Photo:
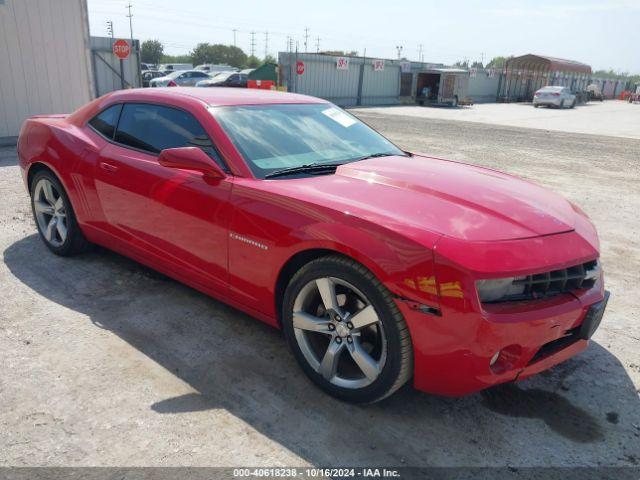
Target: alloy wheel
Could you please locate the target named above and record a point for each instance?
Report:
(339, 332)
(50, 212)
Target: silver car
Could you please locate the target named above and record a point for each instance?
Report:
(559, 97)
(180, 78)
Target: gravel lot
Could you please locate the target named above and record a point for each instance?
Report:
(612, 117)
(108, 363)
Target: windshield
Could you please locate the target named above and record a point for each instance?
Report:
(275, 137)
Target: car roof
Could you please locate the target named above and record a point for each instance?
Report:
(217, 96)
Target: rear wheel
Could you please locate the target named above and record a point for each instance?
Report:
(54, 216)
(346, 331)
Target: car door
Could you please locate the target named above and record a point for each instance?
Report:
(167, 215)
(196, 77)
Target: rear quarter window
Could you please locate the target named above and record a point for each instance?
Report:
(105, 122)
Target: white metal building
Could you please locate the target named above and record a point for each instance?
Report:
(45, 59)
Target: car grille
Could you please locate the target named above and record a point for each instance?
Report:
(552, 283)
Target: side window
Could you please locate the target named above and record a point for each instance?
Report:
(153, 128)
(105, 122)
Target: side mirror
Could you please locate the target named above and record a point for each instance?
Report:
(191, 158)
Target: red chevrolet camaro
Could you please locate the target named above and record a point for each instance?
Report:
(379, 265)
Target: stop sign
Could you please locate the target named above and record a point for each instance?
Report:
(299, 67)
(121, 49)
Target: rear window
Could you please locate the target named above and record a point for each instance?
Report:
(105, 122)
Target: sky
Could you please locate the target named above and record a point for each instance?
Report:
(604, 34)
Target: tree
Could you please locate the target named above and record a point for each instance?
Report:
(151, 51)
(253, 62)
(217, 53)
(477, 65)
(269, 59)
(462, 64)
(498, 62)
(176, 59)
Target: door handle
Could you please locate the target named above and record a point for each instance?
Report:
(108, 167)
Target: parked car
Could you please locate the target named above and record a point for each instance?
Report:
(559, 97)
(595, 92)
(148, 75)
(175, 66)
(226, 79)
(379, 265)
(180, 78)
(211, 68)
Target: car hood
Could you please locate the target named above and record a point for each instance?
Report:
(445, 197)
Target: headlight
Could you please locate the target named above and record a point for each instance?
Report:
(495, 289)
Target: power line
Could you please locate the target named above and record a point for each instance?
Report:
(110, 28)
(266, 44)
(306, 38)
(317, 44)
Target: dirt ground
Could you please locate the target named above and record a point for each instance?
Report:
(108, 363)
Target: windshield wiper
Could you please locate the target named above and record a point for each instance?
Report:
(374, 155)
(308, 168)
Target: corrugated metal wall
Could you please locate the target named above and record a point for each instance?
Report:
(44, 58)
(106, 66)
(484, 88)
(322, 78)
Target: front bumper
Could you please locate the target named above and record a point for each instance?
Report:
(453, 353)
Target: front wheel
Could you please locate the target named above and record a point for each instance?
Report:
(346, 331)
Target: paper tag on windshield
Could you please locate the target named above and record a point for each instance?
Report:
(339, 117)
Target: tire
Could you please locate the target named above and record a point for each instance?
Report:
(573, 104)
(561, 104)
(54, 215)
(382, 348)
(455, 101)
(535, 105)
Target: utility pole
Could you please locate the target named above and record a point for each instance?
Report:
(235, 30)
(306, 38)
(130, 16)
(253, 44)
(317, 44)
(266, 44)
(399, 50)
(420, 57)
(110, 28)
(136, 47)
(482, 59)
